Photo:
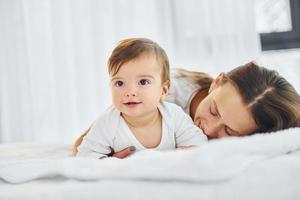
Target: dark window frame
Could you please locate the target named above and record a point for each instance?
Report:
(284, 40)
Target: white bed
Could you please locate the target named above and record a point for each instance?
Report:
(265, 166)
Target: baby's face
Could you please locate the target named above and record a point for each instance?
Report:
(137, 88)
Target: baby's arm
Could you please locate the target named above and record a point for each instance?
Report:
(96, 143)
(90, 148)
(121, 154)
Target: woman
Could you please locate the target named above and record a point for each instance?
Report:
(249, 99)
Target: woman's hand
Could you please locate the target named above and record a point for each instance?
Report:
(184, 147)
(122, 154)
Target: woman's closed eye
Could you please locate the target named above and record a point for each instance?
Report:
(144, 82)
(231, 132)
(119, 83)
(213, 111)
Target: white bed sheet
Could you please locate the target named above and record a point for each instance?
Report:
(268, 176)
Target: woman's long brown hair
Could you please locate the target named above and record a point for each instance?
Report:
(272, 100)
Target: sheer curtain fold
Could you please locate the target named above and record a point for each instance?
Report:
(224, 35)
(53, 54)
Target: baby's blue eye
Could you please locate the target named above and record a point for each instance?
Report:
(144, 82)
(119, 83)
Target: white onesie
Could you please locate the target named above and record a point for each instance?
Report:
(110, 130)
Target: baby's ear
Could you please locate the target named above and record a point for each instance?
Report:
(165, 89)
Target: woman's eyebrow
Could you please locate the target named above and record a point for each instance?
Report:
(217, 110)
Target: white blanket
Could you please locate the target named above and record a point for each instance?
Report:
(215, 161)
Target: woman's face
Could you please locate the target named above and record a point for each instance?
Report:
(222, 113)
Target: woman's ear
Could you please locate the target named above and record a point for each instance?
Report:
(165, 89)
(216, 81)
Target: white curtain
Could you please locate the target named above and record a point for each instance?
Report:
(214, 34)
(53, 54)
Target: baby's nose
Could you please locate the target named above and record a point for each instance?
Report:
(131, 93)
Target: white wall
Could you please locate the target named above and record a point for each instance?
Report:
(286, 62)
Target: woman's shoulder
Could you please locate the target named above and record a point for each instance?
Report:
(181, 89)
(180, 81)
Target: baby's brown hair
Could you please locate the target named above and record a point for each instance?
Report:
(132, 48)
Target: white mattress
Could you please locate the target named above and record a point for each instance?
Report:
(255, 167)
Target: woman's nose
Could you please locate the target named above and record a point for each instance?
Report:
(212, 130)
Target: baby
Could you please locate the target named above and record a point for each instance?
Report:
(139, 81)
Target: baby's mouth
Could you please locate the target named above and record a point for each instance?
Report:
(132, 103)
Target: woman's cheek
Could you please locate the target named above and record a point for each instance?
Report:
(199, 113)
(203, 109)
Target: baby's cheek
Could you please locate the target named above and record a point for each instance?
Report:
(116, 100)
